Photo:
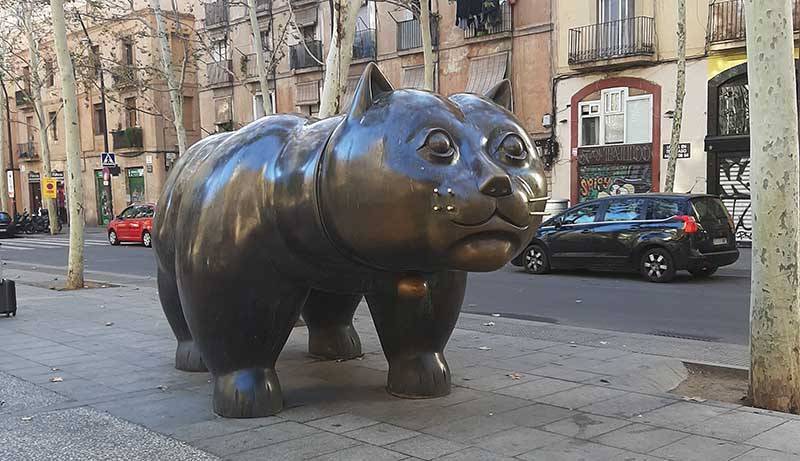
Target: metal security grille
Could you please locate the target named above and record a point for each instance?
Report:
(734, 190)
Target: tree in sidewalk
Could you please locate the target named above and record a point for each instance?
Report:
(340, 54)
(34, 70)
(427, 44)
(775, 188)
(680, 92)
(75, 262)
(261, 60)
(5, 204)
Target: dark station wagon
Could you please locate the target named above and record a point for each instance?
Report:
(654, 234)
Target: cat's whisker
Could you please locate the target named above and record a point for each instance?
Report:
(537, 213)
(540, 199)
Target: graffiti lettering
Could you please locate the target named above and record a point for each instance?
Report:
(617, 154)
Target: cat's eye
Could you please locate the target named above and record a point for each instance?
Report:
(439, 146)
(513, 149)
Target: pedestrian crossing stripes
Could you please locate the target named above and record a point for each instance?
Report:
(43, 243)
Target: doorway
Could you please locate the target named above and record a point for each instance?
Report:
(103, 200)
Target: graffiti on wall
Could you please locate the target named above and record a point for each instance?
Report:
(734, 183)
(614, 170)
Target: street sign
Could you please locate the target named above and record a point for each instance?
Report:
(108, 159)
(684, 150)
(10, 176)
(49, 187)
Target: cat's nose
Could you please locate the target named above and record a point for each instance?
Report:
(497, 186)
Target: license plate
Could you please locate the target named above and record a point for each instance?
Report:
(721, 241)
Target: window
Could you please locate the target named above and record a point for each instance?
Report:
(49, 75)
(130, 113)
(266, 41)
(734, 107)
(310, 110)
(709, 209)
(99, 119)
(53, 120)
(219, 50)
(129, 212)
(615, 10)
(188, 113)
(634, 209)
(582, 215)
(664, 209)
(95, 60)
(29, 127)
(258, 105)
(127, 52)
(616, 118)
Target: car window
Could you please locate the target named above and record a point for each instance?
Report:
(709, 208)
(5, 217)
(129, 212)
(664, 209)
(631, 209)
(149, 212)
(141, 212)
(582, 215)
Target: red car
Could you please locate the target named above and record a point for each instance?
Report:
(134, 224)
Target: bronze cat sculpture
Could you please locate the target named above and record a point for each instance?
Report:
(395, 200)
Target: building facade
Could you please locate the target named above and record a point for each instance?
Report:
(131, 123)
(514, 44)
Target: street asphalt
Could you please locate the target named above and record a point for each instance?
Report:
(715, 310)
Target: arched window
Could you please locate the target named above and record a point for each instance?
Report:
(733, 116)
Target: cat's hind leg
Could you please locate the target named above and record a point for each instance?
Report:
(414, 316)
(187, 355)
(329, 317)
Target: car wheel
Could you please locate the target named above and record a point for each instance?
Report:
(703, 271)
(657, 265)
(535, 260)
(112, 238)
(147, 239)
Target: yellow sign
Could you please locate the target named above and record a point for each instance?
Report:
(49, 188)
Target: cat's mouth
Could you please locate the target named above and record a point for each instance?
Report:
(497, 216)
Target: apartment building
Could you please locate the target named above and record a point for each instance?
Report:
(131, 122)
(514, 44)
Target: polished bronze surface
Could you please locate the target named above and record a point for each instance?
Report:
(395, 201)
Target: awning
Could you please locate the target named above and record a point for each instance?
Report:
(222, 107)
(414, 77)
(308, 93)
(306, 16)
(485, 72)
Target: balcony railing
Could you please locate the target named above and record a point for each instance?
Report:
(127, 138)
(503, 23)
(216, 13)
(615, 39)
(726, 20)
(21, 98)
(364, 46)
(219, 73)
(409, 34)
(299, 58)
(27, 151)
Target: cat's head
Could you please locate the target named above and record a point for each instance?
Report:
(413, 181)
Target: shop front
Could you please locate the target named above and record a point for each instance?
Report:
(104, 213)
(34, 191)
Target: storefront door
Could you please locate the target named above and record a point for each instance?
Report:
(35, 190)
(103, 200)
(135, 185)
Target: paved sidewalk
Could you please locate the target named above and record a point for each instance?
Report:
(88, 375)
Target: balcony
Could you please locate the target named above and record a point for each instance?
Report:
(263, 5)
(220, 73)
(216, 13)
(364, 45)
(502, 25)
(124, 76)
(726, 21)
(26, 151)
(299, 58)
(409, 34)
(626, 41)
(127, 138)
(22, 98)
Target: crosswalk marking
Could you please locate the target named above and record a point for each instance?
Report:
(42, 243)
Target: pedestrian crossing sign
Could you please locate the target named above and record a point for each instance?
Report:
(108, 159)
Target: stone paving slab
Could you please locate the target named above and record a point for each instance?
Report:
(522, 390)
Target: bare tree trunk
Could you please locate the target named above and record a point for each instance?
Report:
(175, 88)
(5, 204)
(73, 147)
(427, 43)
(41, 117)
(775, 178)
(680, 93)
(337, 64)
(261, 62)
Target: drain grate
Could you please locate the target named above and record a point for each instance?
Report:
(677, 335)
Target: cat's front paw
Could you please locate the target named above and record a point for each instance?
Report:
(420, 376)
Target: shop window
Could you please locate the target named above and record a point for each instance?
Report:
(616, 118)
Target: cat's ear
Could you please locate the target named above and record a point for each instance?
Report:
(501, 94)
(371, 86)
